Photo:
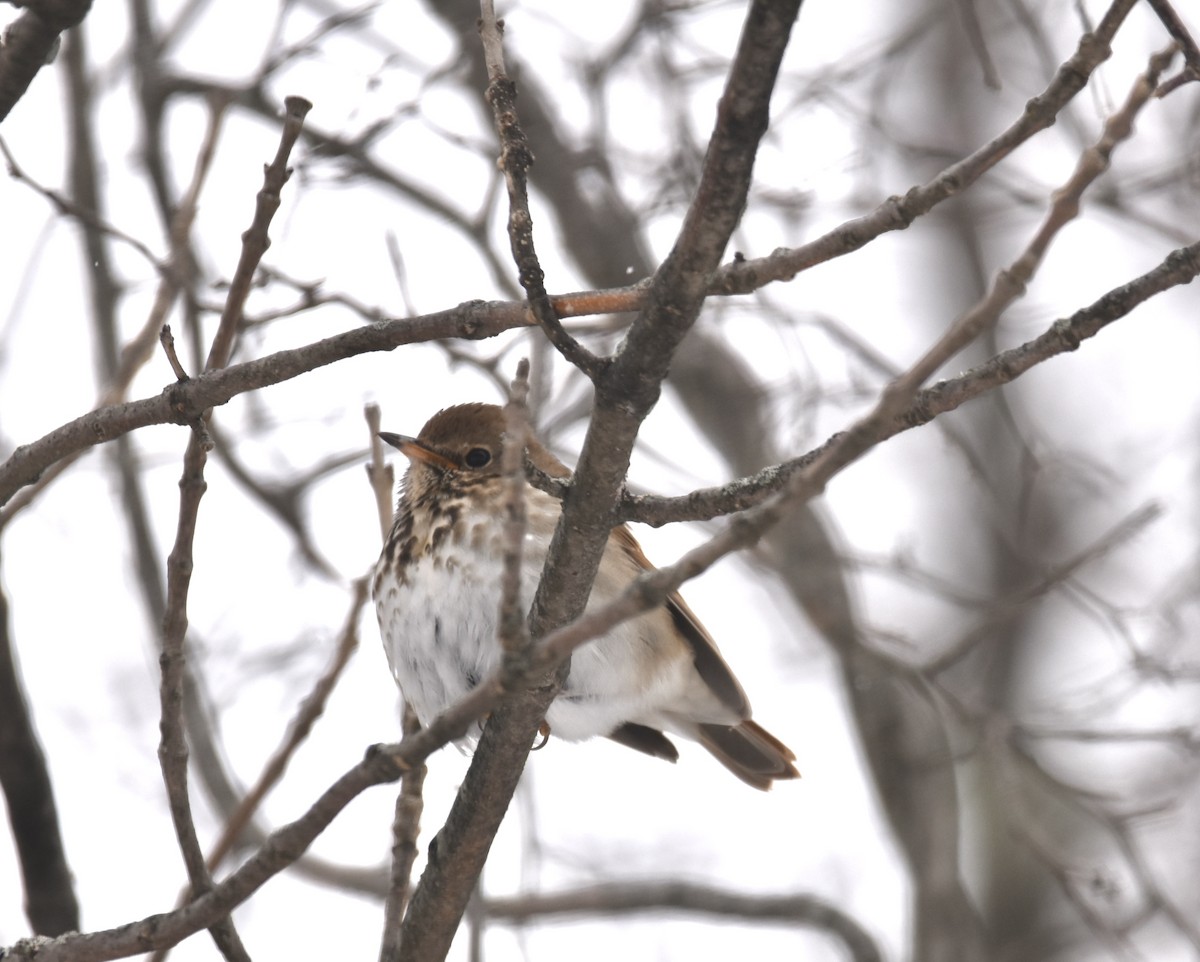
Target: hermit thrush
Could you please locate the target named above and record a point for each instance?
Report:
(437, 594)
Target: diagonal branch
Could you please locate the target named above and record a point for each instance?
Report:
(897, 213)
(1180, 267)
(31, 41)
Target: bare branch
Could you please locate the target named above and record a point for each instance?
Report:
(634, 898)
(379, 470)
(406, 825)
(50, 901)
(625, 392)
(897, 213)
(31, 42)
(515, 158)
(255, 240)
(183, 403)
(69, 208)
(173, 751)
(514, 627)
(307, 715)
(138, 351)
(1182, 36)
(1179, 268)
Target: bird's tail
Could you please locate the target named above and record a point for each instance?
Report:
(748, 750)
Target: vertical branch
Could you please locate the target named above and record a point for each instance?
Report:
(514, 625)
(173, 751)
(406, 826)
(410, 802)
(50, 901)
(379, 471)
(630, 386)
(311, 709)
(515, 160)
(458, 853)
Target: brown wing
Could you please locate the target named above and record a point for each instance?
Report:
(708, 661)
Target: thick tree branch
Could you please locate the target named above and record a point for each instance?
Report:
(50, 902)
(625, 392)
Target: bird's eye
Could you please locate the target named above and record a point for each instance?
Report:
(477, 457)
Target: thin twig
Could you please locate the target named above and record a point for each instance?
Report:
(514, 625)
(1011, 607)
(620, 899)
(1182, 36)
(1180, 267)
(899, 212)
(167, 339)
(1011, 283)
(406, 826)
(138, 351)
(310, 710)
(173, 750)
(256, 240)
(68, 208)
(515, 158)
(380, 473)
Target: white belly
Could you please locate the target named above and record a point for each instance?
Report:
(439, 633)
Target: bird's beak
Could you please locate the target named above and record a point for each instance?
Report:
(414, 450)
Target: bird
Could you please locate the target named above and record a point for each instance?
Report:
(436, 589)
